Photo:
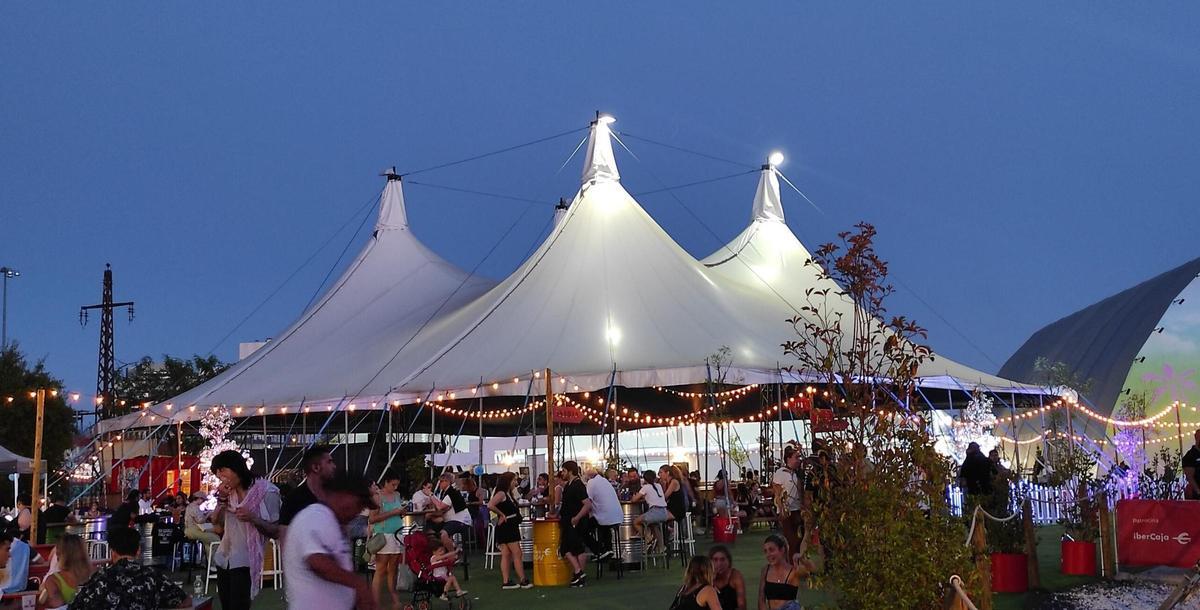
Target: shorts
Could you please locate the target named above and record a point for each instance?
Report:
(452, 527)
(573, 540)
(509, 531)
(391, 545)
(655, 514)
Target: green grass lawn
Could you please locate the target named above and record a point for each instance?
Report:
(656, 587)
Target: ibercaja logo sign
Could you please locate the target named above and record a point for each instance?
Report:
(1158, 532)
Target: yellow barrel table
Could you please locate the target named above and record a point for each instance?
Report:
(549, 569)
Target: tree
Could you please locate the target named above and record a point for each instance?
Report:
(215, 427)
(153, 382)
(17, 379)
(1066, 458)
(974, 424)
(880, 505)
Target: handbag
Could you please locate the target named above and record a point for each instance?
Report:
(376, 543)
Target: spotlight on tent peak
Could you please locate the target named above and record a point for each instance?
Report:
(775, 159)
(600, 165)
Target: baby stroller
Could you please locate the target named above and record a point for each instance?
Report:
(419, 558)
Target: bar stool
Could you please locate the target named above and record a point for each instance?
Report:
(490, 551)
(615, 548)
(683, 540)
(97, 550)
(649, 553)
(273, 564)
(211, 571)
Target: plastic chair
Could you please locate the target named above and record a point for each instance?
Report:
(97, 550)
(683, 539)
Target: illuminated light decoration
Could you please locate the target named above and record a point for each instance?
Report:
(75, 396)
(351, 407)
(262, 409)
(372, 405)
(237, 409)
(10, 399)
(721, 394)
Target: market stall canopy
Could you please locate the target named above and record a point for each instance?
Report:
(607, 299)
(11, 462)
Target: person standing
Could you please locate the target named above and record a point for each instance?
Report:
(606, 511)
(508, 533)
(975, 474)
(239, 557)
(387, 520)
(780, 582)
(123, 516)
(789, 499)
(319, 468)
(1191, 466)
(572, 522)
(24, 517)
(145, 504)
(697, 592)
(316, 559)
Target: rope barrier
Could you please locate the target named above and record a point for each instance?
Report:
(975, 515)
(956, 582)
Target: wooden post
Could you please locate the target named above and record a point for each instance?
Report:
(1108, 558)
(34, 509)
(549, 428)
(983, 561)
(179, 455)
(1031, 558)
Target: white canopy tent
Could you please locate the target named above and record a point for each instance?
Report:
(607, 297)
(12, 463)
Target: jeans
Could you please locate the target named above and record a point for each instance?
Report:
(233, 588)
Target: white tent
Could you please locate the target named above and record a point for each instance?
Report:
(767, 258)
(11, 462)
(393, 287)
(607, 293)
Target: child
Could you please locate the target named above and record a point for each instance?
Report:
(441, 562)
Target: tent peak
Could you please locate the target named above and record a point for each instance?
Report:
(560, 211)
(600, 165)
(392, 214)
(768, 204)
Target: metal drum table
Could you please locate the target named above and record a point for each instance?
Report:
(629, 544)
(549, 569)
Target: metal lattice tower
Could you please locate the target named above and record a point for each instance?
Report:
(106, 370)
(766, 431)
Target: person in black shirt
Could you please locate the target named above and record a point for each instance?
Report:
(975, 474)
(573, 522)
(55, 514)
(123, 516)
(1191, 464)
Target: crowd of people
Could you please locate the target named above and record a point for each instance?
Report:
(314, 526)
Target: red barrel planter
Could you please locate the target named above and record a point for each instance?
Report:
(724, 530)
(1078, 558)
(1010, 573)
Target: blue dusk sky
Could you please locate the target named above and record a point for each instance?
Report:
(1020, 161)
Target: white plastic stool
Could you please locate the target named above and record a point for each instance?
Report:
(211, 571)
(490, 551)
(97, 550)
(273, 564)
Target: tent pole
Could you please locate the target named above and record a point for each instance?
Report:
(388, 406)
(432, 424)
(34, 508)
(533, 471)
(480, 387)
(549, 428)
(179, 454)
(266, 458)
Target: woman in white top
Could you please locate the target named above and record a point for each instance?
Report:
(656, 503)
(239, 558)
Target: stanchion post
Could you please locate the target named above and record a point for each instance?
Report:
(1108, 558)
(1034, 573)
(983, 562)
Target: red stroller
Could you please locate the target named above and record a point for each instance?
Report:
(419, 558)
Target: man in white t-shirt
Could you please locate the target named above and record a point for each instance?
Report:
(606, 509)
(789, 497)
(316, 558)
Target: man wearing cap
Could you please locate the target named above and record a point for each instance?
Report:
(317, 560)
(195, 520)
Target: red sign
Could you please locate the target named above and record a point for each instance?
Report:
(823, 421)
(1158, 533)
(802, 405)
(567, 414)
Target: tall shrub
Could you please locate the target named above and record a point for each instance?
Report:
(881, 508)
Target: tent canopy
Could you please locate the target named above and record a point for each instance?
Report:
(11, 462)
(607, 299)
